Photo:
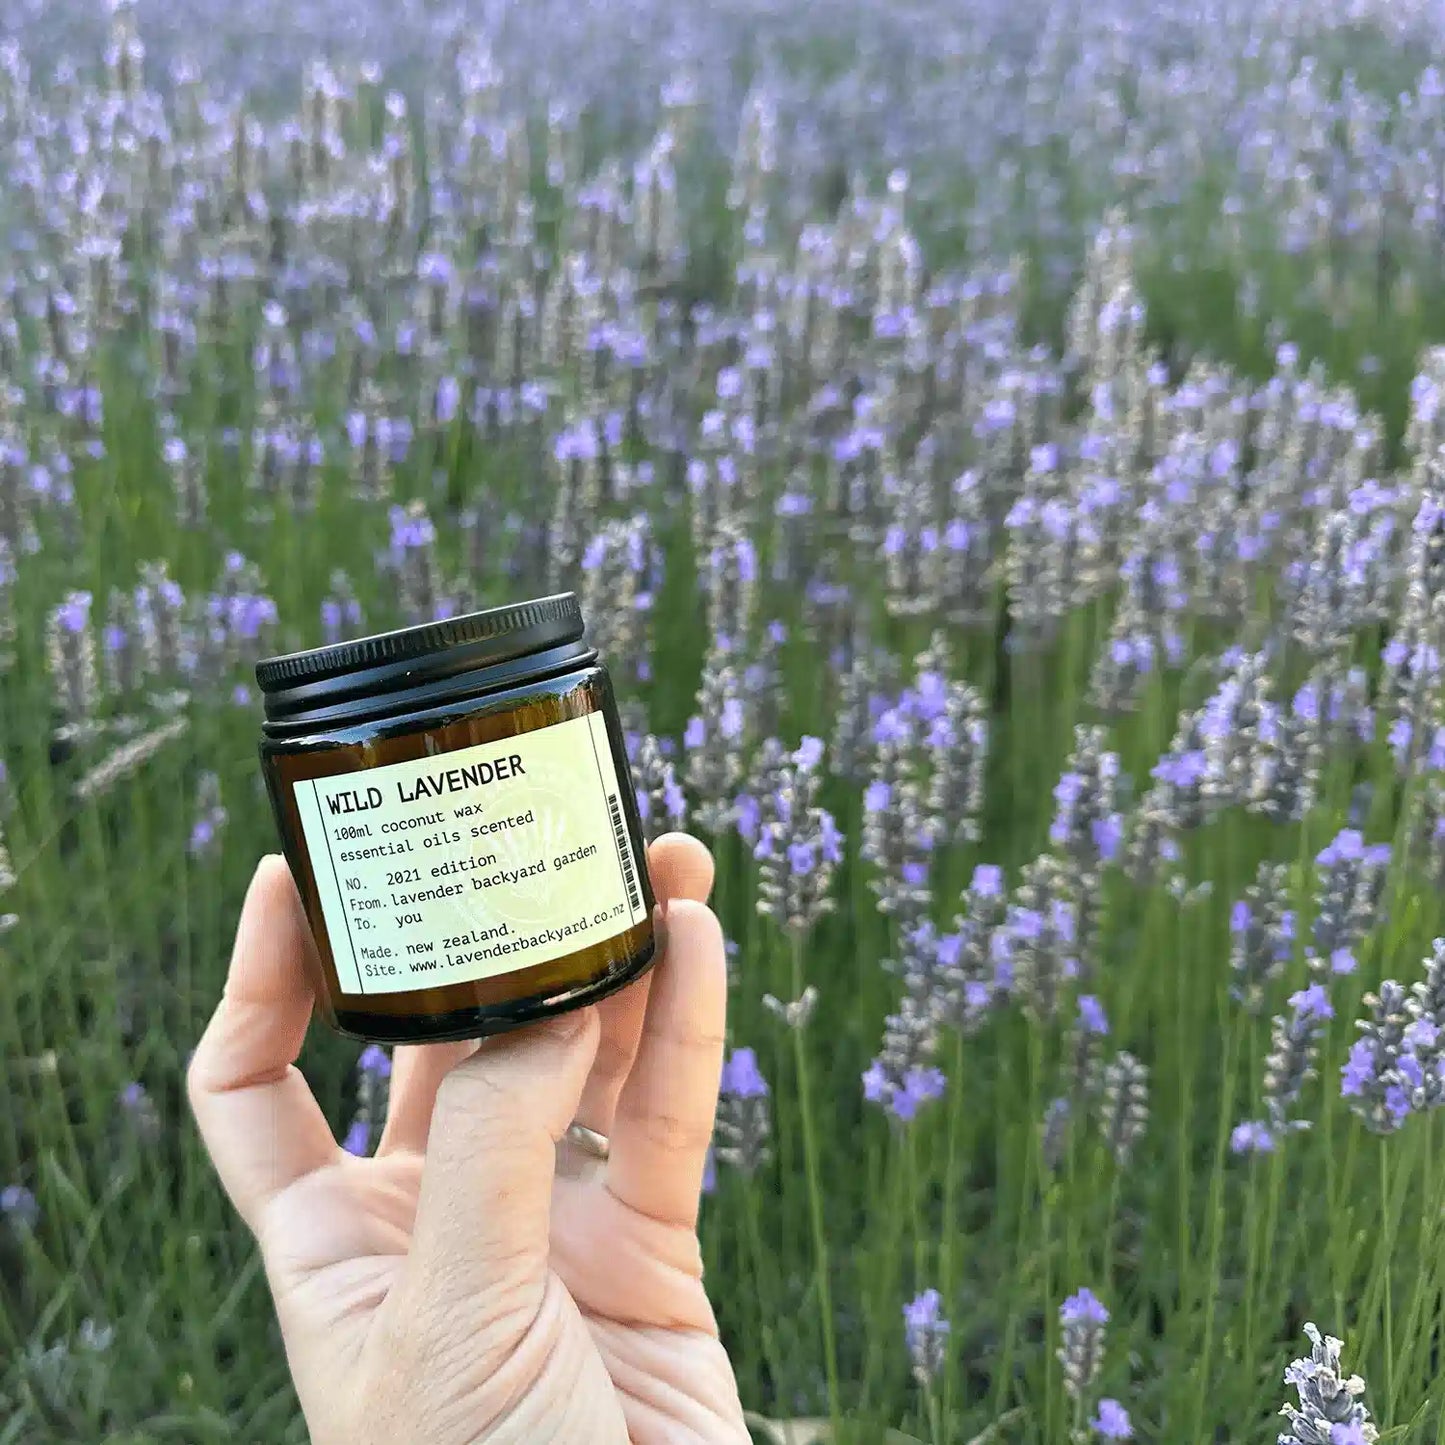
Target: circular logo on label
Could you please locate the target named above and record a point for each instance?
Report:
(543, 870)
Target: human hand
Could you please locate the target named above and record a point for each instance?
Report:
(479, 1280)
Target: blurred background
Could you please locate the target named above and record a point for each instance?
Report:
(997, 448)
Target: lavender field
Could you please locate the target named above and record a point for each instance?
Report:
(998, 444)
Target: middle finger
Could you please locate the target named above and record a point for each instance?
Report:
(680, 867)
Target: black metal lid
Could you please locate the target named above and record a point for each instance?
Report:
(390, 662)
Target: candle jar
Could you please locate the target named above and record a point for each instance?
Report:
(455, 803)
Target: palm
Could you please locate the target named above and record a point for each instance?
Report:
(423, 1293)
(638, 1285)
(343, 1238)
(339, 1241)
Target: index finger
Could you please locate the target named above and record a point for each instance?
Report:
(259, 1120)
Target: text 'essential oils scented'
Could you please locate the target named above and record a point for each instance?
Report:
(457, 810)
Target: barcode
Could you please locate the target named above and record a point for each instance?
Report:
(624, 853)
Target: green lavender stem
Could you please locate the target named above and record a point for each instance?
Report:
(815, 1194)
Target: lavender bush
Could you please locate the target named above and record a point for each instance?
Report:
(999, 446)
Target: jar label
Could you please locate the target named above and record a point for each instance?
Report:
(473, 863)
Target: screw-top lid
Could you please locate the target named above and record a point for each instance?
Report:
(390, 662)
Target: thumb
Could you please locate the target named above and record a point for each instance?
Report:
(480, 1241)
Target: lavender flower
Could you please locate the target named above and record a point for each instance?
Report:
(17, 501)
(1123, 1105)
(1111, 1421)
(412, 558)
(730, 583)
(904, 1076)
(1174, 803)
(744, 1121)
(1054, 1133)
(957, 741)
(897, 838)
(1343, 586)
(1253, 1136)
(851, 750)
(169, 648)
(926, 1331)
(123, 661)
(962, 564)
(974, 970)
(1293, 1049)
(756, 156)
(70, 649)
(1036, 944)
(1087, 825)
(763, 684)
(1262, 931)
(188, 478)
(1088, 830)
(123, 761)
(210, 816)
(1376, 1078)
(18, 1207)
(341, 615)
(903, 1088)
(1329, 717)
(1397, 1065)
(7, 605)
(1081, 1352)
(1413, 655)
(800, 846)
(1084, 1076)
(755, 808)
(1042, 558)
(616, 594)
(912, 546)
(239, 617)
(139, 1113)
(1351, 885)
(1236, 725)
(1427, 829)
(661, 803)
(1427, 1000)
(373, 1087)
(714, 741)
(1330, 1411)
(797, 1013)
(372, 439)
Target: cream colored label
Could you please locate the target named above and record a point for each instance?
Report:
(472, 863)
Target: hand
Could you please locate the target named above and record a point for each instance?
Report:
(479, 1280)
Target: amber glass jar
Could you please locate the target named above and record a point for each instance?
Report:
(456, 806)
